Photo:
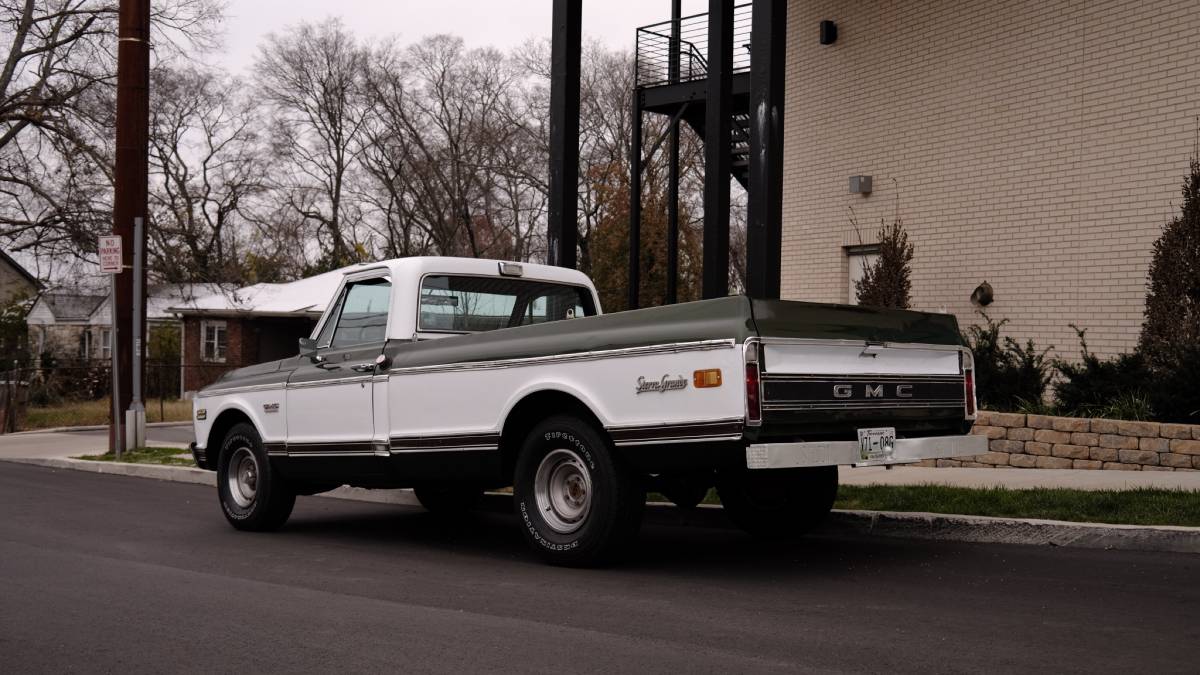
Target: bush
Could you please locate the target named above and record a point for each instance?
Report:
(1115, 385)
(1171, 331)
(1008, 375)
(1175, 391)
(887, 283)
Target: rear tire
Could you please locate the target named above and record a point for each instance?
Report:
(448, 499)
(779, 504)
(253, 497)
(578, 503)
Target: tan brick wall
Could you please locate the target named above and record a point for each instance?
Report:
(1038, 145)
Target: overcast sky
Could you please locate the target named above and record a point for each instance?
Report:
(497, 23)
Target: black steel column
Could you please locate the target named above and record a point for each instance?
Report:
(764, 233)
(635, 200)
(562, 235)
(717, 162)
(673, 169)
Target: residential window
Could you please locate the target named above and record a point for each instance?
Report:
(105, 344)
(859, 258)
(86, 349)
(213, 341)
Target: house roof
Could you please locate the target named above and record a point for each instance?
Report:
(7, 259)
(160, 299)
(69, 306)
(303, 297)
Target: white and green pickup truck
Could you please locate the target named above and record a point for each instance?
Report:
(456, 376)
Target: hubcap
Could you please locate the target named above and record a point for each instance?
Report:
(242, 477)
(562, 488)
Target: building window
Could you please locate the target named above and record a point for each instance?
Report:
(105, 344)
(859, 258)
(213, 342)
(86, 349)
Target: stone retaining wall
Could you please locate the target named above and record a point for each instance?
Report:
(1044, 442)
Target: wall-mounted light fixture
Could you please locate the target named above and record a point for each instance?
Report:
(982, 296)
(828, 32)
(860, 185)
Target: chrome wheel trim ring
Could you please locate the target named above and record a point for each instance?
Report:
(241, 476)
(562, 488)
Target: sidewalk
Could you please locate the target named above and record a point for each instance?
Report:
(58, 444)
(1017, 479)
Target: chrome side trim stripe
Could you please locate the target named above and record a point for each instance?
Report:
(676, 347)
(330, 382)
(699, 432)
(205, 393)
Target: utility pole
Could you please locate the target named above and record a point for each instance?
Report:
(130, 180)
(562, 235)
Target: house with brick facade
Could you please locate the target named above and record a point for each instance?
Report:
(240, 327)
(1037, 146)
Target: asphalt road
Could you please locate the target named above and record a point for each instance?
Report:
(107, 573)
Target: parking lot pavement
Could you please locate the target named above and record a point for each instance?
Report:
(108, 573)
(57, 444)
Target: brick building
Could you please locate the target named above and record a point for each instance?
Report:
(231, 329)
(1038, 146)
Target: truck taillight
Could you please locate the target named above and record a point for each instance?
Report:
(753, 402)
(969, 390)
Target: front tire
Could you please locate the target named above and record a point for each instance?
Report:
(578, 503)
(253, 497)
(779, 504)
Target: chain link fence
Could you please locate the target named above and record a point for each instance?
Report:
(79, 393)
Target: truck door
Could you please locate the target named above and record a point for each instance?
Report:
(330, 396)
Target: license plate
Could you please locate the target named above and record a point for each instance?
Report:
(875, 444)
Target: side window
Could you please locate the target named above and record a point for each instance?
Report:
(362, 314)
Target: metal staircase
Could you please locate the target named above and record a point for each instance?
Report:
(670, 78)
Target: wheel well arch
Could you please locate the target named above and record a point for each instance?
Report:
(533, 408)
(216, 434)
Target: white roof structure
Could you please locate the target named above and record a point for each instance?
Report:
(303, 297)
(310, 297)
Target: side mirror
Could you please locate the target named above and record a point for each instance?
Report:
(308, 347)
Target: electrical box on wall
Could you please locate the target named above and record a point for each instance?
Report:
(860, 185)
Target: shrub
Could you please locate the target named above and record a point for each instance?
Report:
(1171, 331)
(1118, 384)
(887, 282)
(1008, 375)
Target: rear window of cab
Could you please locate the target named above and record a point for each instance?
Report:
(465, 304)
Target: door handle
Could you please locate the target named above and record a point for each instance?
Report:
(363, 367)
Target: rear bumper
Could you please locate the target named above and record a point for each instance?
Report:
(833, 453)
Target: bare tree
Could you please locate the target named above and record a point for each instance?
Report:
(206, 163)
(311, 78)
(56, 113)
(445, 152)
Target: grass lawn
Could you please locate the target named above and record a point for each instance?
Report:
(1142, 506)
(146, 456)
(87, 413)
(1118, 507)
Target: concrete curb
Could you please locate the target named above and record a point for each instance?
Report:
(932, 526)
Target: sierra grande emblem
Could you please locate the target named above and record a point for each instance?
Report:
(661, 386)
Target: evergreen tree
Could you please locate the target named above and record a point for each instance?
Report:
(1170, 340)
(887, 282)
